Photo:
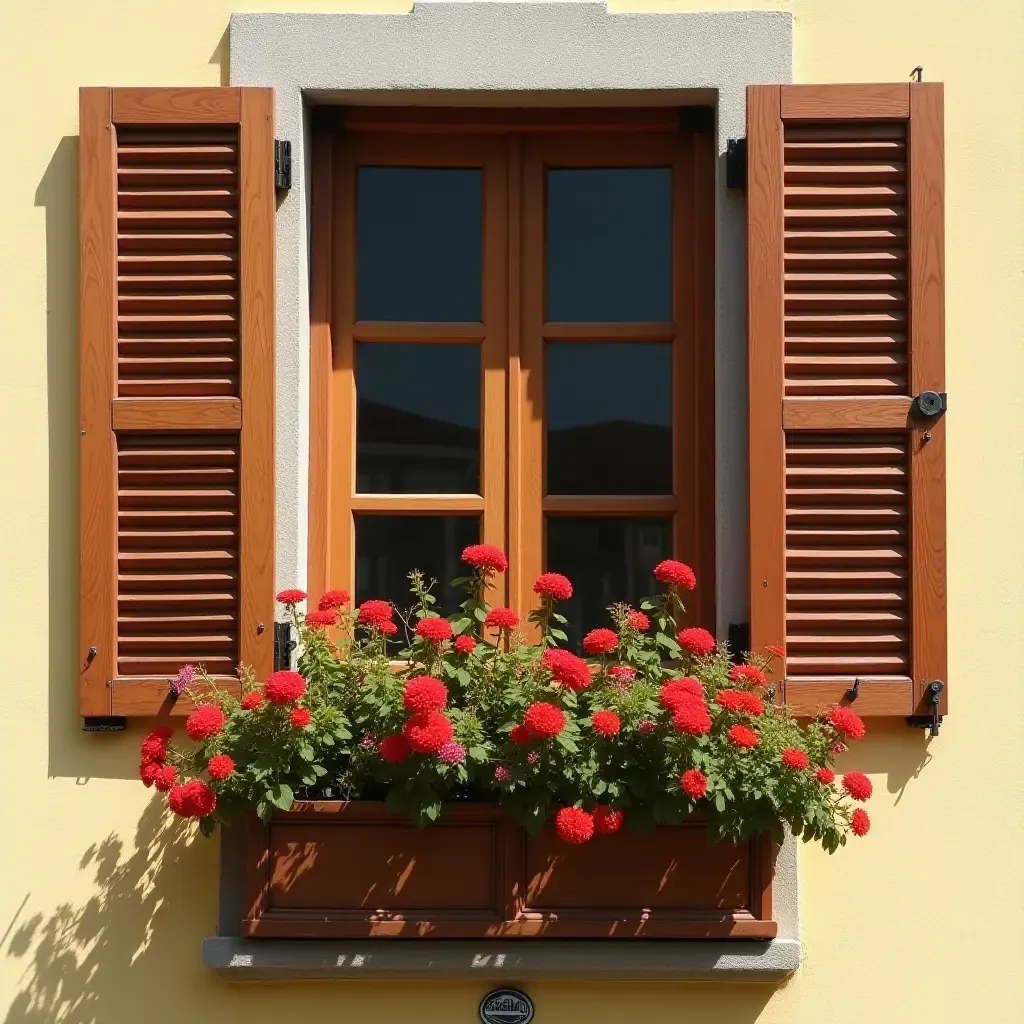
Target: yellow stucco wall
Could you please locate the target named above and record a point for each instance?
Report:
(102, 907)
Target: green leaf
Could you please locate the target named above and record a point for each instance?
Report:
(319, 771)
(307, 753)
(559, 635)
(566, 743)
(719, 803)
(463, 677)
(207, 825)
(281, 796)
(477, 753)
(264, 810)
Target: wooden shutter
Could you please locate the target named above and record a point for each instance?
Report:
(177, 390)
(847, 482)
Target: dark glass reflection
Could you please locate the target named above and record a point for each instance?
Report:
(419, 243)
(609, 244)
(608, 559)
(417, 418)
(389, 547)
(609, 418)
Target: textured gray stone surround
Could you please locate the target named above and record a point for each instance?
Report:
(490, 53)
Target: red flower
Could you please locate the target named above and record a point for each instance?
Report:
(427, 733)
(162, 732)
(284, 687)
(747, 674)
(434, 630)
(291, 596)
(607, 723)
(520, 735)
(793, 757)
(486, 557)
(333, 599)
(860, 823)
(607, 821)
(691, 717)
(857, 784)
(779, 652)
(693, 783)
(752, 704)
(847, 723)
(600, 641)
(207, 720)
(741, 736)
(566, 668)
(193, 800)
(423, 694)
(622, 673)
(574, 825)
(647, 727)
(300, 717)
(375, 613)
(220, 766)
(502, 618)
(638, 621)
(148, 769)
(321, 619)
(730, 700)
(387, 628)
(544, 720)
(825, 775)
(465, 644)
(394, 748)
(676, 691)
(154, 747)
(252, 700)
(675, 574)
(553, 585)
(696, 640)
(165, 778)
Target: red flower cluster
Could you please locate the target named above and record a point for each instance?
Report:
(427, 733)
(374, 614)
(742, 736)
(675, 574)
(193, 800)
(291, 596)
(322, 619)
(779, 652)
(607, 723)
(860, 823)
(693, 783)
(740, 700)
(165, 777)
(300, 718)
(154, 746)
(395, 748)
(638, 621)
(465, 644)
(424, 694)
(544, 720)
(207, 720)
(825, 775)
(486, 557)
(622, 673)
(858, 785)
(606, 821)
(220, 766)
(252, 700)
(691, 717)
(696, 640)
(435, 630)
(847, 723)
(388, 628)
(148, 769)
(553, 585)
(333, 599)
(502, 618)
(600, 641)
(574, 825)
(520, 735)
(676, 691)
(749, 674)
(793, 757)
(566, 668)
(284, 687)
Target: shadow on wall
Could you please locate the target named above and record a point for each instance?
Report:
(120, 953)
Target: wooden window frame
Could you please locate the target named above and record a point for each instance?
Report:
(514, 147)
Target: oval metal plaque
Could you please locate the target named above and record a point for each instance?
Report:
(506, 1006)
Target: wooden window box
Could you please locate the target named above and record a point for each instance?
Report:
(352, 870)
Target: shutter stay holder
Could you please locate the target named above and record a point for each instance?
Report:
(932, 720)
(736, 164)
(283, 645)
(282, 164)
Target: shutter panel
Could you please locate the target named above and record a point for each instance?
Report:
(847, 482)
(177, 390)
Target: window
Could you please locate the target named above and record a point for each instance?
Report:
(513, 343)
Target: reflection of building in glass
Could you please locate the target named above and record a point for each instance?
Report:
(613, 457)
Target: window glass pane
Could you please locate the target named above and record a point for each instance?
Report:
(609, 418)
(609, 244)
(417, 418)
(419, 243)
(389, 547)
(608, 559)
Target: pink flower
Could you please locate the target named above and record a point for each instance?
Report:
(502, 774)
(452, 753)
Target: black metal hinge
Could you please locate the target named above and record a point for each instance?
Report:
(736, 164)
(282, 163)
(283, 645)
(104, 723)
(932, 719)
